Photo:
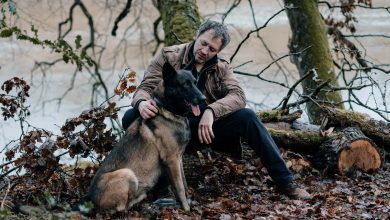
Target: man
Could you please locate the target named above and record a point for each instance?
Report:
(224, 119)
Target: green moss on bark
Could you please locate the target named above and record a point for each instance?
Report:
(180, 19)
(271, 115)
(310, 31)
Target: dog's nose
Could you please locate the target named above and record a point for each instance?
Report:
(198, 99)
(201, 98)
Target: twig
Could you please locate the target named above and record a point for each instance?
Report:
(233, 6)
(9, 171)
(254, 31)
(292, 89)
(366, 35)
(287, 55)
(6, 194)
(352, 5)
(121, 16)
(309, 97)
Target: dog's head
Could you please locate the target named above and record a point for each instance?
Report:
(180, 91)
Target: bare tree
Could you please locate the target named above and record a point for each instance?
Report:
(309, 31)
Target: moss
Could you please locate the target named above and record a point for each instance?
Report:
(180, 20)
(309, 31)
(304, 136)
(297, 140)
(271, 115)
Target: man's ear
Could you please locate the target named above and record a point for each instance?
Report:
(168, 72)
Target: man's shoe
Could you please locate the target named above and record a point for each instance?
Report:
(293, 191)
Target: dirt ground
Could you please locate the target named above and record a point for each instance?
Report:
(224, 188)
(229, 189)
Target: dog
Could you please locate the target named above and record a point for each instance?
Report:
(150, 147)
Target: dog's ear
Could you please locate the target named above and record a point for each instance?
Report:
(168, 72)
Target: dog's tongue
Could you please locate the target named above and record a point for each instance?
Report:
(195, 110)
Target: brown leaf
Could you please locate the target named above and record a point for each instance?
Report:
(9, 154)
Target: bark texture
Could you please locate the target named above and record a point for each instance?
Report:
(180, 20)
(378, 131)
(305, 142)
(309, 35)
(347, 150)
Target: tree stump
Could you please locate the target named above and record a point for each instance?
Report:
(347, 150)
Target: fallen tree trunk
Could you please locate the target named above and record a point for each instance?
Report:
(346, 150)
(271, 116)
(378, 131)
(304, 142)
(333, 151)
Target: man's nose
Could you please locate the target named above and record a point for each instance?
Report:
(204, 50)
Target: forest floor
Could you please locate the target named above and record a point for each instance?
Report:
(223, 188)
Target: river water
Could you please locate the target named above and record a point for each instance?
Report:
(133, 45)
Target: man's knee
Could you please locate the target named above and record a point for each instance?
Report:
(246, 114)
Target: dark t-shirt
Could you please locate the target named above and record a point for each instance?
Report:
(200, 80)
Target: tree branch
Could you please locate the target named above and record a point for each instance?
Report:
(121, 16)
(254, 31)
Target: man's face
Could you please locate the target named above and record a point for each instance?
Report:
(206, 46)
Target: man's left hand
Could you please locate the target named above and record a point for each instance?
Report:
(205, 129)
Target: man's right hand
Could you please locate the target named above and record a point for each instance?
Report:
(148, 109)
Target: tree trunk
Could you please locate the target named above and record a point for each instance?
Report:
(305, 142)
(309, 36)
(378, 131)
(180, 19)
(347, 150)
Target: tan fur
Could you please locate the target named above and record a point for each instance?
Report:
(116, 188)
(150, 147)
(134, 165)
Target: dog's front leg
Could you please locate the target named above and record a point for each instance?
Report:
(175, 174)
(183, 176)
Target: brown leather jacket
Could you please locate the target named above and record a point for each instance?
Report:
(222, 90)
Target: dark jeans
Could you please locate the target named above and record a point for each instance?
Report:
(227, 131)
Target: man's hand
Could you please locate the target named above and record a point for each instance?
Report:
(148, 109)
(205, 129)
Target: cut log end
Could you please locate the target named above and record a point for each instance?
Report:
(360, 154)
(346, 151)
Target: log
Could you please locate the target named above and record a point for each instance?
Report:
(338, 152)
(304, 142)
(297, 125)
(378, 131)
(346, 150)
(277, 115)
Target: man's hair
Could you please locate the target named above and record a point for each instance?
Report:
(220, 30)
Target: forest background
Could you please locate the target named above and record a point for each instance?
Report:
(59, 90)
